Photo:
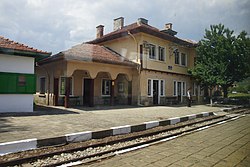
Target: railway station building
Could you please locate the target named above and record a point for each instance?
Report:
(135, 64)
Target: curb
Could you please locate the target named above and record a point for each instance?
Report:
(22, 145)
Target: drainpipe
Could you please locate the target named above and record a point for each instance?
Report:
(139, 68)
(137, 59)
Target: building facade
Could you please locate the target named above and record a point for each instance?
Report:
(87, 75)
(17, 78)
(145, 66)
(163, 59)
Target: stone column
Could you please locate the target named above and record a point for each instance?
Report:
(91, 100)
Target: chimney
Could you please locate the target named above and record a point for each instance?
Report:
(118, 23)
(168, 26)
(142, 21)
(169, 29)
(99, 31)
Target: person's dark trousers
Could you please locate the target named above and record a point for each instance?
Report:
(189, 102)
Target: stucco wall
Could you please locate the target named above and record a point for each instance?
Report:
(80, 70)
(128, 48)
(168, 84)
(157, 70)
(169, 56)
(16, 64)
(125, 46)
(16, 103)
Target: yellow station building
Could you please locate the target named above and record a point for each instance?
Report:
(135, 64)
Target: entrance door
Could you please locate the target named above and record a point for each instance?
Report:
(155, 91)
(88, 92)
(179, 91)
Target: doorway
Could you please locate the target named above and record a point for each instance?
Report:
(155, 92)
(56, 89)
(88, 92)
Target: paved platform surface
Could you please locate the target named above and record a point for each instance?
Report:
(223, 145)
(47, 122)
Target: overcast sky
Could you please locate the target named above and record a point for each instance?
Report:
(57, 25)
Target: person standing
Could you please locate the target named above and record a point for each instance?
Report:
(189, 98)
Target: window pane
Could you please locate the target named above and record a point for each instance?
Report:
(120, 87)
(174, 88)
(62, 86)
(149, 87)
(152, 51)
(183, 88)
(177, 59)
(183, 59)
(162, 87)
(161, 53)
(106, 87)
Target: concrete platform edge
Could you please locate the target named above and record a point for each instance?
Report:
(28, 144)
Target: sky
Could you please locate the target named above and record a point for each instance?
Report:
(57, 25)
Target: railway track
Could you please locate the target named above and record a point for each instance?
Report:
(91, 151)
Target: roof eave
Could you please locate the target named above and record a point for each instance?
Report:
(143, 29)
(51, 59)
(38, 56)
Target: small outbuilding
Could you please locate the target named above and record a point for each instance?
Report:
(17, 78)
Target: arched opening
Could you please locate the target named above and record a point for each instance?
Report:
(107, 88)
(123, 90)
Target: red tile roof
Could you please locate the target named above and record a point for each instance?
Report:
(16, 46)
(90, 53)
(136, 28)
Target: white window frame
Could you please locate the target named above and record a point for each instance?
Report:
(175, 55)
(110, 85)
(162, 83)
(150, 92)
(184, 88)
(194, 89)
(160, 48)
(72, 86)
(175, 88)
(181, 62)
(44, 84)
(120, 87)
(149, 51)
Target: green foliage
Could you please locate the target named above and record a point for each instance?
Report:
(243, 86)
(239, 95)
(222, 58)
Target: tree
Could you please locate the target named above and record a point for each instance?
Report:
(222, 58)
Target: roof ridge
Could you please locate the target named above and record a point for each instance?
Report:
(91, 52)
(11, 44)
(140, 27)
